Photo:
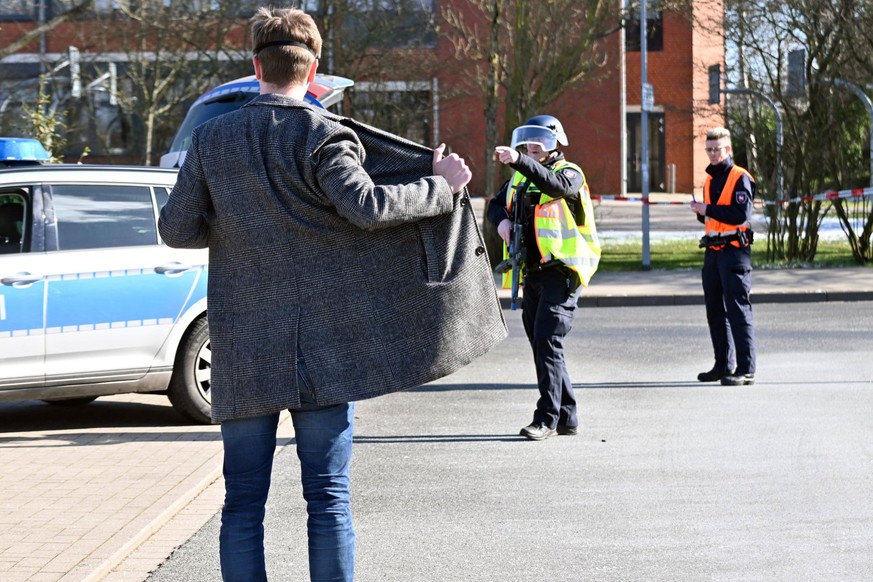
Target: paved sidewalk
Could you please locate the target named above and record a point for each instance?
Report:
(105, 491)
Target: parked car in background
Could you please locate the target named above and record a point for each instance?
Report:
(326, 91)
(91, 302)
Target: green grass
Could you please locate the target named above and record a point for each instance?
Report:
(685, 254)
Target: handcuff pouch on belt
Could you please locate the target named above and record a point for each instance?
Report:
(714, 241)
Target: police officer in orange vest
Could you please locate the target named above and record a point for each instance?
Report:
(726, 212)
(551, 287)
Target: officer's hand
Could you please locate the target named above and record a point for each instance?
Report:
(453, 168)
(504, 229)
(699, 208)
(505, 155)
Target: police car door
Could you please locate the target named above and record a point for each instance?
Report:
(113, 293)
(22, 291)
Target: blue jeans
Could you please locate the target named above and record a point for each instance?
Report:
(324, 446)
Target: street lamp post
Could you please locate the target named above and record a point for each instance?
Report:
(646, 97)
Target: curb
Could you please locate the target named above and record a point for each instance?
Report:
(666, 300)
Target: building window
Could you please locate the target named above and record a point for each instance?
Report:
(17, 10)
(654, 31)
(657, 168)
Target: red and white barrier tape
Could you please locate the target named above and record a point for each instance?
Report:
(824, 196)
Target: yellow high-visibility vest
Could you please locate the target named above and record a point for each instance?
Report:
(557, 234)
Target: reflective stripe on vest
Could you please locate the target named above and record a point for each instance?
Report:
(714, 227)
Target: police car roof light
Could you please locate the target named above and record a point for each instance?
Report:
(20, 149)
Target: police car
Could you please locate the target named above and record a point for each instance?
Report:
(91, 302)
(326, 91)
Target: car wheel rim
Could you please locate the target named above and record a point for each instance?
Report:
(203, 371)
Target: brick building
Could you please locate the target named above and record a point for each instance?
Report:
(679, 53)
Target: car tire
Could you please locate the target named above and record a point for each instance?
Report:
(189, 389)
(71, 401)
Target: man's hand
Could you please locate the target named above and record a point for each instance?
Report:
(699, 208)
(504, 229)
(453, 168)
(505, 155)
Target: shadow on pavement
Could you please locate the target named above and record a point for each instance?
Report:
(436, 438)
(35, 415)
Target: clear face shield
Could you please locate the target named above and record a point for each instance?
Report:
(543, 136)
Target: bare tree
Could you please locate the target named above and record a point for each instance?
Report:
(166, 54)
(386, 46)
(821, 124)
(531, 53)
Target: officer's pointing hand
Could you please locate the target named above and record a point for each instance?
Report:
(506, 155)
(452, 167)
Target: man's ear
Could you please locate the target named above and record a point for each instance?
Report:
(257, 64)
(312, 68)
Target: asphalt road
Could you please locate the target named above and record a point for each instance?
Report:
(669, 479)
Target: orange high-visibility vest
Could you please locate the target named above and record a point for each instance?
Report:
(713, 226)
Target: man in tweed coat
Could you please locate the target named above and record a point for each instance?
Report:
(344, 263)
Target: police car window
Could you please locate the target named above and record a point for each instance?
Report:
(102, 216)
(205, 111)
(13, 209)
(161, 196)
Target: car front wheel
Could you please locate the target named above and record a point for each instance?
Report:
(189, 389)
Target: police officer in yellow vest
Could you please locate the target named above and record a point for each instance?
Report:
(727, 263)
(561, 254)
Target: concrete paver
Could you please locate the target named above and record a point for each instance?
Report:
(109, 499)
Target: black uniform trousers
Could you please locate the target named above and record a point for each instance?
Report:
(548, 305)
(727, 284)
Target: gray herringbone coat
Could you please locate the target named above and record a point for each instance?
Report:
(382, 288)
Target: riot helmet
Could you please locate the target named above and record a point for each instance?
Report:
(542, 129)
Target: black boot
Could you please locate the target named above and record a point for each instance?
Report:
(738, 380)
(713, 375)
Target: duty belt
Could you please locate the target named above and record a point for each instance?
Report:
(744, 237)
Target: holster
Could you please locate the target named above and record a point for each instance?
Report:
(744, 237)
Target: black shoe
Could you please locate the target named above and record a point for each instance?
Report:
(738, 380)
(713, 375)
(568, 430)
(537, 431)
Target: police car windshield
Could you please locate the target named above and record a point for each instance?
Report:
(205, 111)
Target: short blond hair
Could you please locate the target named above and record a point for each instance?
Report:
(718, 133)
(282, 65)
